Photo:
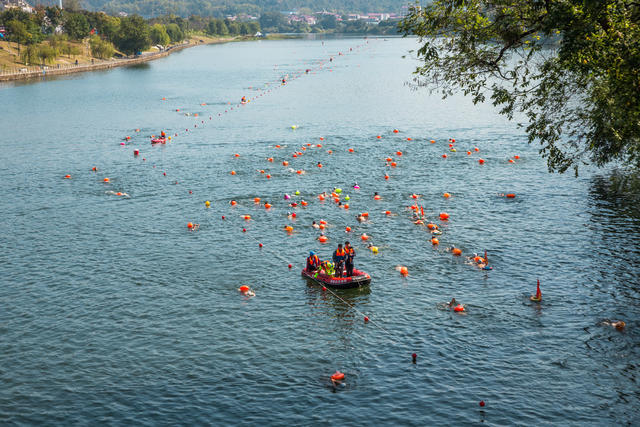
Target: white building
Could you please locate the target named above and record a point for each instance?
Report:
(16, 4)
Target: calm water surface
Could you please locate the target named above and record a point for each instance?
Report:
(111, 311)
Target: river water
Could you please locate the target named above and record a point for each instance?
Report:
(112, 311)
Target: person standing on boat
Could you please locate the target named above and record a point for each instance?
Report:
(350, 253)
(338, 259)
(313, 262)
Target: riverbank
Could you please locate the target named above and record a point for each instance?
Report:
(13, 70)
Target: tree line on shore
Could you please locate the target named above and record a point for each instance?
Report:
(49, 32)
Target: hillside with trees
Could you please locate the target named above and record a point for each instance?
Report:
(222, 8)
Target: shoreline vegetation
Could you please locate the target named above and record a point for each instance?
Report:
(11, 71)
(48, 40)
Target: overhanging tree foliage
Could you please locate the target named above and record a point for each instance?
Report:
(571, 67)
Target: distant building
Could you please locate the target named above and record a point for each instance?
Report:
(15, 4)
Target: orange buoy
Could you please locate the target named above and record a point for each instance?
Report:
(336, 199)
(346, 205)
(338, 376)
(379, 136)
(118, 194)
(393, 164)
(386, 177)
(329, 151)
(322, 226)
(387, 212)
(267, 205)
(319, 165)
(261, 170)
(511, 161)
(516, 157)
(376, 197)
(450, 145)
(105, 180)
(303, 203)
(233, 172)
(408, 139)
(323, 222)
(236, 155)
(399, 153)
(189, 225)
(268, 176)
(322, 239)
(94, 169)
(348, 229)
(247, 217)
(277, 146)
(288, 228)
(446, 195)
(233, 203)
(404, 271)
(458, 308)
(319, 145)
(364, 237)
(67, 177)
(431, 226)
(389, 159)
(444, 216)
(351, 150)
(396, 131)
(435, 241)
(511, 196)
(321, 196)
(243, 288)
(415, 196)
(433, 141)
(365, 214)
(481, 161)
(444, 156)
(468, 153)
(456, 251)
(321, 139)
(285, 163)
(476, 149)
(295, 155)
(270, 159)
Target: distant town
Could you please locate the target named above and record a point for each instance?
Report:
(291, 17)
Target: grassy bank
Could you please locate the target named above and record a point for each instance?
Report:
(12, 67)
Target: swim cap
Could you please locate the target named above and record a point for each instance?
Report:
(311, 253)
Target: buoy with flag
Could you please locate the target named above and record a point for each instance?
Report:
(538, 295)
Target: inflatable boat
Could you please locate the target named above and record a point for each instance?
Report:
(359, 278)
(159, 141)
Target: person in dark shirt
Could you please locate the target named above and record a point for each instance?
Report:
(350, 253)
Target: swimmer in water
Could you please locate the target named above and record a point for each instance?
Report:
(619, 325)
(356, 186)
(315, 225)
(248, 292)
(289, 215)
(453, 303)
(361, 218)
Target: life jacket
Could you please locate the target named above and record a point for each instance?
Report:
(313, 260)
(340, 252)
